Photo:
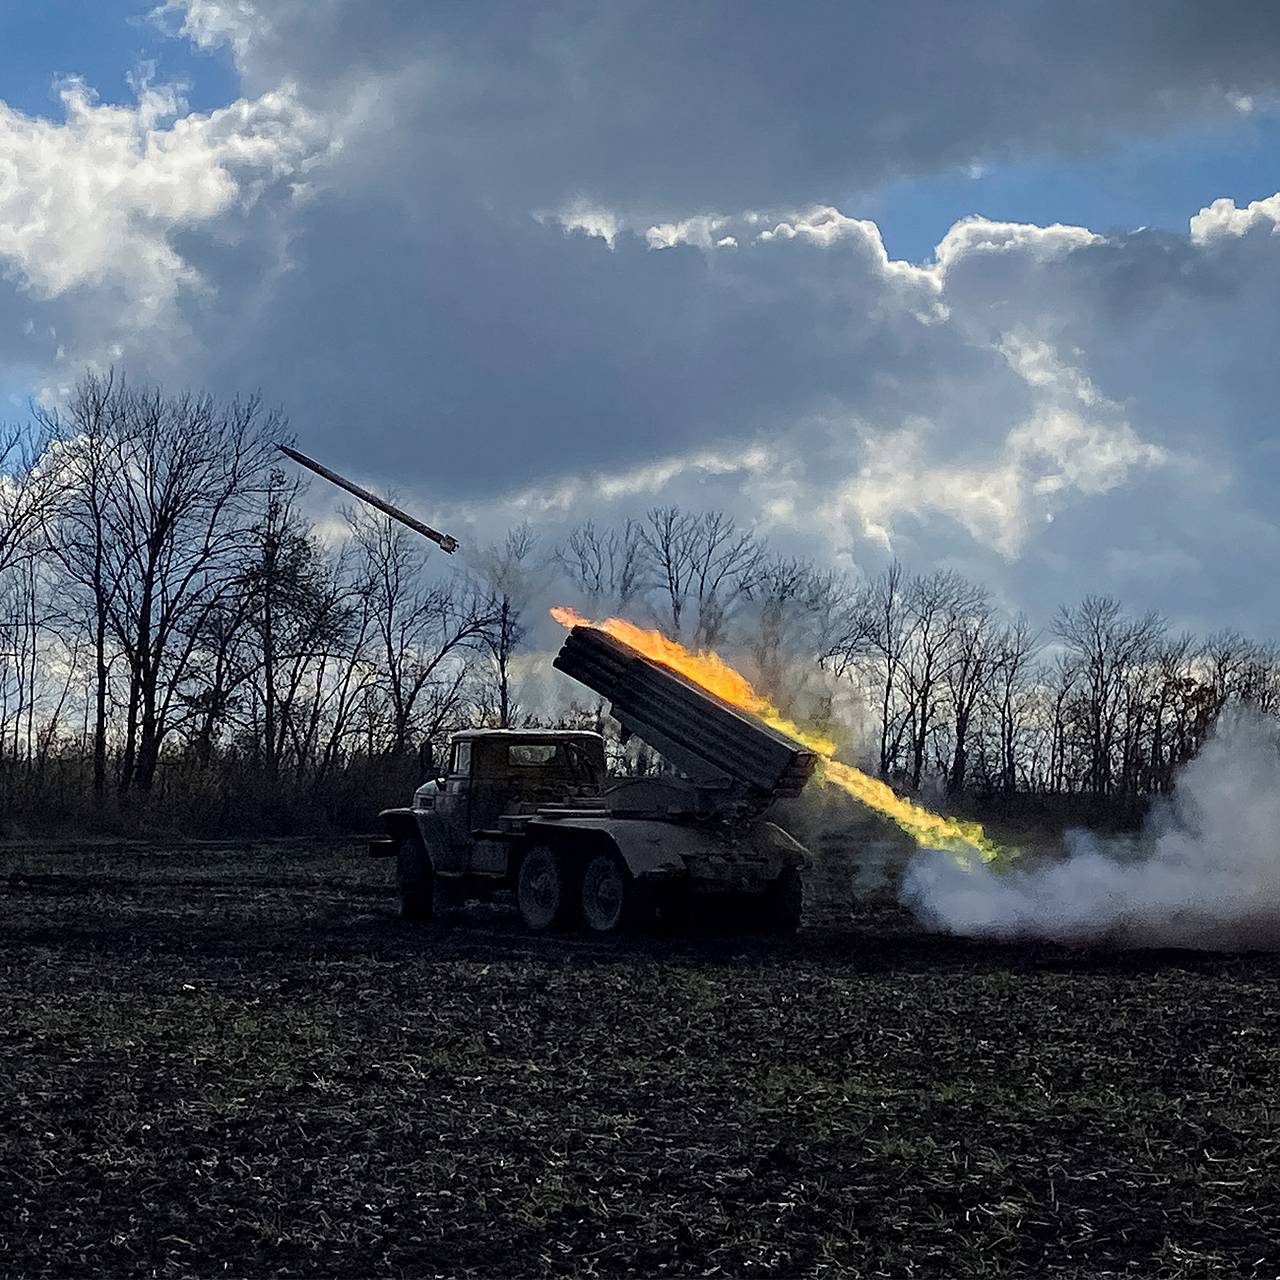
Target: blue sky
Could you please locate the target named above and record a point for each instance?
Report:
(1144, 182)
(103, 42)
(549, 262)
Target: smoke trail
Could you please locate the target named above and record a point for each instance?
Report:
(1205, 871)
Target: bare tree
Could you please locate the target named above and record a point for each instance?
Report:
(1015, 647)
(420, 624)
(29, 484)
(888, 634)
(846, 618)
(1104, 644)
(934, 605)
(787, 599)
(88, 436)
(294, 616)
(705, 562)
(513, 573)
(1227, 655)
(191, 473)
(974, 653)
(605, 565)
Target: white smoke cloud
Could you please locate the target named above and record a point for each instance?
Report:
(1204, 873)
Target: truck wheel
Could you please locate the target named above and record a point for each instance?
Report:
(611, 899)
(784, 902)
(415, 881)
(540, 888)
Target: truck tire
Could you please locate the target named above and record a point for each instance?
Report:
(415, 880)
(541, 888)
(784, 902)
(611, 899)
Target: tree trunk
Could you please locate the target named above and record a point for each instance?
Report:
(100, 706)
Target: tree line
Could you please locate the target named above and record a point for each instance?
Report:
(180, 647)
(929, 683)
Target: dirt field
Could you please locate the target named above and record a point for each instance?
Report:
(237, 1061)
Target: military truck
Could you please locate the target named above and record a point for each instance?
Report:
(533, 812)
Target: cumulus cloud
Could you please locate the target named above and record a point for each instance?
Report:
(582, 215)
(210, 23)
(1020, 471)
(1051, 407)
(95, 203)
(702, 231)
(1039, 465)
(1222, 219)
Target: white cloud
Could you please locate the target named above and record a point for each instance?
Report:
(1222, 219)
(998, 486)
(701, 232)
(998, 501)
(1039, 365)
(96, 201)
(824, 226)
(1059, 451)
(977, 236)
(645, 482)
(210, 23)
(582, 215)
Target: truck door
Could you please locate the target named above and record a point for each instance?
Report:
(491, 784)
(452, 803)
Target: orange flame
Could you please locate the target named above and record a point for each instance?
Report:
(713, 673)
(706, 669)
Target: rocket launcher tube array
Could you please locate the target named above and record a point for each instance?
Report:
(709, 738)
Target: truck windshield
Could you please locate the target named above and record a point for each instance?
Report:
(534, 753)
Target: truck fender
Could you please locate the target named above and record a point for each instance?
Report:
(644, 847)
(423, 829)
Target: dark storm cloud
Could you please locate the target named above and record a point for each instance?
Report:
(729, 105)
(513, 353)
(428, 310)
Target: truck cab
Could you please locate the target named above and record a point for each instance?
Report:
(497, 774)
(471, 818)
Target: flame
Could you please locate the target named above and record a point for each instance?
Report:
(710, 671)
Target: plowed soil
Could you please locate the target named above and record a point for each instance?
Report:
(237, 1061)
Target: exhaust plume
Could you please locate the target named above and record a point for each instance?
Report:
(1205, 871)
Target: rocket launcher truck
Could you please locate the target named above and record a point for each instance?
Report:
(533, 812)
